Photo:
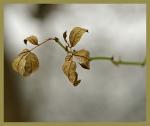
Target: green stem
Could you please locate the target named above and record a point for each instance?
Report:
(59, 43)
(132, 63)
(119, 62)
(100, 58)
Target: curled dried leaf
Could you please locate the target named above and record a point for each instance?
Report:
(83, 57)
(65, 36)
(32, 39)
(25, 63)
(69, 68)
(76, 34)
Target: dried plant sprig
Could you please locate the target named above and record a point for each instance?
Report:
(27, 62)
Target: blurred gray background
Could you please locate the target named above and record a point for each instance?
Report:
(106, 92)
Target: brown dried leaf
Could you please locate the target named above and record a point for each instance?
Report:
(25, 63)
(83, 57)
(32, 39)
(76, 34)
(18, 59)
(69, 68)
(65, 36)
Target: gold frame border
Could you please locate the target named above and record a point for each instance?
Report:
(144, 123)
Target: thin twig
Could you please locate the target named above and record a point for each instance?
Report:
(41, 43)
(57, 41)
(119, 62)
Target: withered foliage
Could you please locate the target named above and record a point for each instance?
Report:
(32, 39)
(69, 68)
(83, 57)
(75, 35)
(27, 62)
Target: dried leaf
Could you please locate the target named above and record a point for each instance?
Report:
(75, 35)
(83, 57)
(32, 39)
(18, 59)
(25, 63)
(69, 68)
(65, 36)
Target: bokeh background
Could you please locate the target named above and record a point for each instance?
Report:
(106, 92)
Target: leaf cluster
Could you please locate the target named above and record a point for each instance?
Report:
(27, 62)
